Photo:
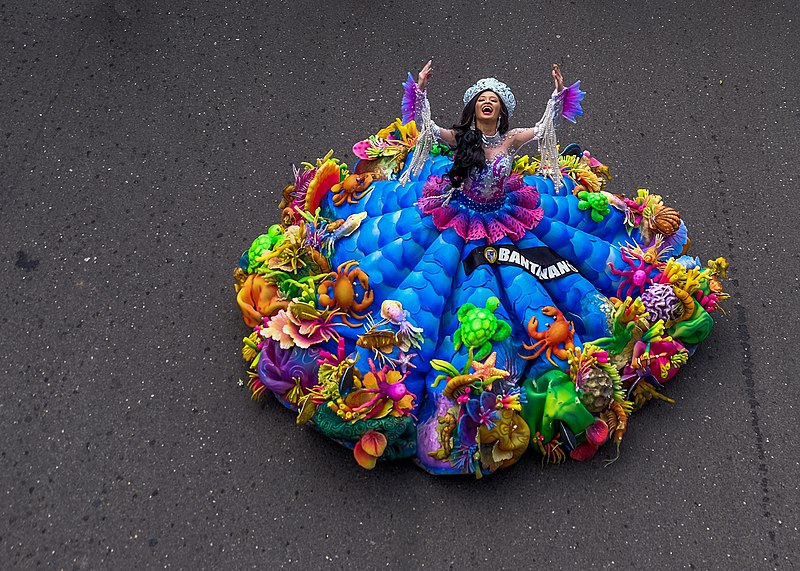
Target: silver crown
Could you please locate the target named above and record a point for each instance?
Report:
(492, 84)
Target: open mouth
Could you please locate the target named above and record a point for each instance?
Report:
(487, 109)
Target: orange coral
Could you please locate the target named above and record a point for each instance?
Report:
(258, 299)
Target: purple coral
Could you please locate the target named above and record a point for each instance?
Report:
(660, 302)
(428, 437)
(282, 370)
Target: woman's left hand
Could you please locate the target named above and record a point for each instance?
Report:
(558, 79)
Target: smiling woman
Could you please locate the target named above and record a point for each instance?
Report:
(450, 301)
(479, 178)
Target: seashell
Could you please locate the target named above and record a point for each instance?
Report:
(287, 197)
(665, 220)
(596, 389)
(239, 276)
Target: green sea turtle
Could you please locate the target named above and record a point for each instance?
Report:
(262, 244)
(479, 327)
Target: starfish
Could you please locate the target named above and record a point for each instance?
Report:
(487, 370)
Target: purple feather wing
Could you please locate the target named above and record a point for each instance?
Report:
(409, 99)
(572, 101)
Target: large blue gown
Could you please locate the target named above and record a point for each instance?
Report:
(408, 259)
(477, 276)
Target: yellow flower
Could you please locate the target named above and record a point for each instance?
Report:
(525, 165)
(388, 130)
(408, 132)
(249, 350)
(296, 393)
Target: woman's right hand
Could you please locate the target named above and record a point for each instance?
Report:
(424, 76)
(558, 79)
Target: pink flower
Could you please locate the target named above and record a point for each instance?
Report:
(309, 332)
(290, 330)
(278, 328)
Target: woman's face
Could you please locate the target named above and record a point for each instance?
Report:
(487, 107)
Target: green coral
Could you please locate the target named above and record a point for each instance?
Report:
(695, 329)
(550, 398)
(401, 437)
(440, 149)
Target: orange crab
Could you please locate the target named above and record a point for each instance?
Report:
(559, 332)
(353, 188)
(344, 294)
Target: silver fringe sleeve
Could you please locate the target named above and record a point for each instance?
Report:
(548, 143)
(425, 139)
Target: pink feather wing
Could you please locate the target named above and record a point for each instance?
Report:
(572, 102)
(410, 93)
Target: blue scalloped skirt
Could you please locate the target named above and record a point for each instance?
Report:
(409, 260)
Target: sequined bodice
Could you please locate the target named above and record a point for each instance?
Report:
(491, 203)
(496, 169)
(483, 189)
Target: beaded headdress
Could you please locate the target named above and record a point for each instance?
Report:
(492, 84)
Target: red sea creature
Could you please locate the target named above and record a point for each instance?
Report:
(353, 188)
(559, 332)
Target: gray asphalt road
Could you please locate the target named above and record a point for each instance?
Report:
(144, 144)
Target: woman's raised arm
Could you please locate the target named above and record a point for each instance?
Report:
(565, 102)
(556, 108)
(415, 103)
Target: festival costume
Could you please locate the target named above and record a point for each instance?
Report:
(527, 309)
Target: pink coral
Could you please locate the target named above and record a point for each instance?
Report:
(290, 330)
(654, 360)
(278, 328)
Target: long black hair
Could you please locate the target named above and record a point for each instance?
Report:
(469, 149)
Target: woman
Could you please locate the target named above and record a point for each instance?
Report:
(463, 310)
(479, 197)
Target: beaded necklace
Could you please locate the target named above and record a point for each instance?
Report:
(493, 140)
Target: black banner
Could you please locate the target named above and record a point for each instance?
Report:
(541, 262)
